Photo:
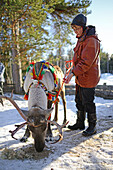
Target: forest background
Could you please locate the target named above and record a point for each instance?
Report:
(39, 29)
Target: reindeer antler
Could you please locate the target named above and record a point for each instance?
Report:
(18, 127)
(59, 129)
(27, 122)
(15, 105)
(20, 112)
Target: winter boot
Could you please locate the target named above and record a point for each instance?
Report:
(80, 121)
(92, 125)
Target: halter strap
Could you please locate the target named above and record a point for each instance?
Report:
(36, 77)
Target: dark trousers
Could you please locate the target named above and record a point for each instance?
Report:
(84, 99)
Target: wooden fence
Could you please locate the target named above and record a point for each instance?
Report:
(8, 88)
(103, 91)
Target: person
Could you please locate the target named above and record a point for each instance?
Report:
(2, 79)
(86, 69)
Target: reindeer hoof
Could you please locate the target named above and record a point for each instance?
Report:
(23, 139)
(49, 138)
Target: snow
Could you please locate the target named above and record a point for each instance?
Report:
(73, 152)
(104, 78)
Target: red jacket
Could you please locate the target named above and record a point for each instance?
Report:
(86, 61)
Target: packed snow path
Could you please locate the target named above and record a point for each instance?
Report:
(73, 152)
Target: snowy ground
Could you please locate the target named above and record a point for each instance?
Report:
(105, 78)
(73, 152)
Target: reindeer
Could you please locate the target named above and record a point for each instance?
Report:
(39, 107)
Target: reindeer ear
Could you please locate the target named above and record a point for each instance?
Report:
(39, 111)
(48, 112)
(26, 112)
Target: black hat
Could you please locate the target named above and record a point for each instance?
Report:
(79, 20)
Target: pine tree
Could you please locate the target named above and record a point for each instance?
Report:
(24, 33)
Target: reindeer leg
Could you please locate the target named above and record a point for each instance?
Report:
(56, 112)
(49, 134)
(49, 131)
(62, 94)
(26, 135)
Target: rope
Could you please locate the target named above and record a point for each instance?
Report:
(69, 67)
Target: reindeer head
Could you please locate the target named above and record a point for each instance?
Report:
(37, 123)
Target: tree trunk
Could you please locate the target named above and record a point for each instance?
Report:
(107, 63)
(16, 62)
(16, 73)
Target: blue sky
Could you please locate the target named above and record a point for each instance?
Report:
(102, 18)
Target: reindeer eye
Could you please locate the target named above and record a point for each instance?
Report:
(31, 119)
(42, 119)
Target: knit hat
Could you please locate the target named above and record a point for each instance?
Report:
(79, 20)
